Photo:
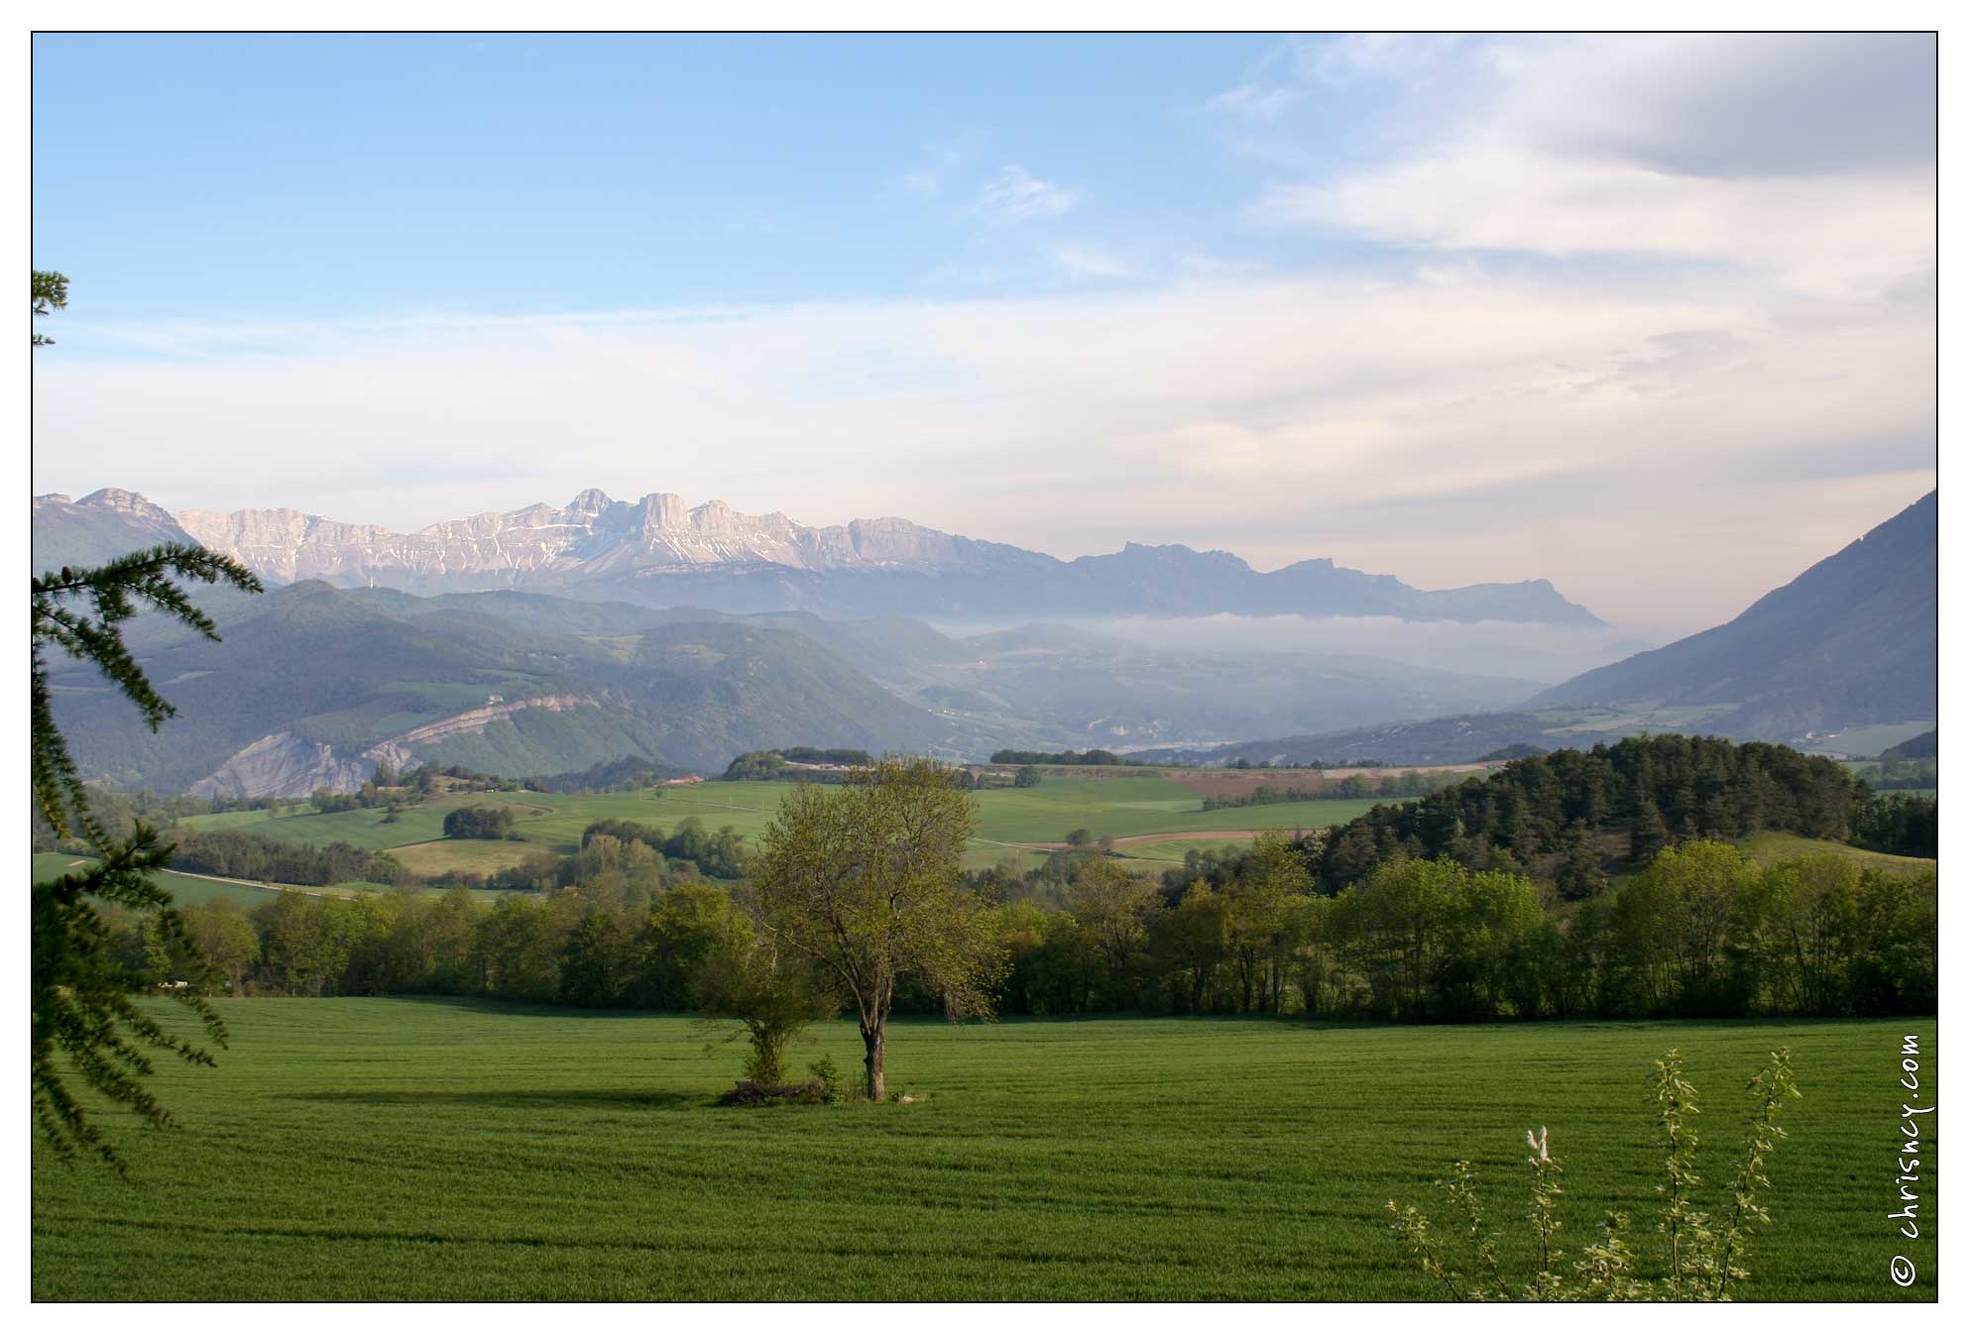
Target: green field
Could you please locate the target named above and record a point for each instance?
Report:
(1774, 845)
(366, 1149)
(184, 889)
(1867, 742)
(1127, 805)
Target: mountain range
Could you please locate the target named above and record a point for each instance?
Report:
(659, 552)
(1849, 642)
(316, 683)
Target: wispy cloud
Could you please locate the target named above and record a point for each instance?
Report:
(1016, 195)
(1087, 261)
(1256, 103)
(941, 160)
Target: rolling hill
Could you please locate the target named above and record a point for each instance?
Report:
(1850, 641)
(314, 685)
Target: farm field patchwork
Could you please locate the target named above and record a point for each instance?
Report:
(478, 1150)
(1122, 806)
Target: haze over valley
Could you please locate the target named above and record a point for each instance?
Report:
(555, 639)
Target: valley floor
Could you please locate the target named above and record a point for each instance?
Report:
(390, 1149)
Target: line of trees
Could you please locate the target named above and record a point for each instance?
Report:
(1081, 757)
(1898, 823)
(1409, 783)
(240, 855)
(1701, 933)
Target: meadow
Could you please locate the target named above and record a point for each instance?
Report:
(1012, 822)
(397, 1149)
(184, 889)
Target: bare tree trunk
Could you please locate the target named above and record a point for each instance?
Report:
(874, 1038)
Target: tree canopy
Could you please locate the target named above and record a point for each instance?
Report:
(864, 880)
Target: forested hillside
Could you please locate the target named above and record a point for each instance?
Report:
(1650, 790)
(314, 686)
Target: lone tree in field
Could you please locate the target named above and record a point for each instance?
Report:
(863, 879)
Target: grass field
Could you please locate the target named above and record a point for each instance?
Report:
(1773, 845)
(366, 1149)
(184, 889)
(1867, 742)
(1125, 805)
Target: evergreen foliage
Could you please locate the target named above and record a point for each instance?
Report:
(50, 294)
(1898, 823)
(1655, 788)
(81, 1004)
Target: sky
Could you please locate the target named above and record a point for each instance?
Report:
(1652, 317)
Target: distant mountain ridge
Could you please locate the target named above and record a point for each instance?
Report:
(1850, 641)
(660, 552)
(100, 526)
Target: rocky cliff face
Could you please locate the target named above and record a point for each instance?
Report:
(285, 765)
(660, 552)
(592, 534)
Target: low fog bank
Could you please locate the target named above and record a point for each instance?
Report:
(1545, 654)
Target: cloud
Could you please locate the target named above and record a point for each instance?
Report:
(1852, 234)
(1353, 57)
(1612, 433)
(1016, 195)
(941, 159)
(1085, 261)
(1254, 102)
(1808, 160)
(1653, 318)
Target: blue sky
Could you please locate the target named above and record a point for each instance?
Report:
(321, 176)
(1650, 317)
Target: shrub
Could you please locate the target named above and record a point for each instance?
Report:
(494, 822)
(1702, 1252)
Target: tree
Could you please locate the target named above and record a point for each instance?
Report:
(81, 1002)
(1113, 907)
(863, 879)
(50, 294)
(1027, 776)
(773, 993)
(1261, 901)
(1649, 834)
(225, 939)
(1579, 873)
